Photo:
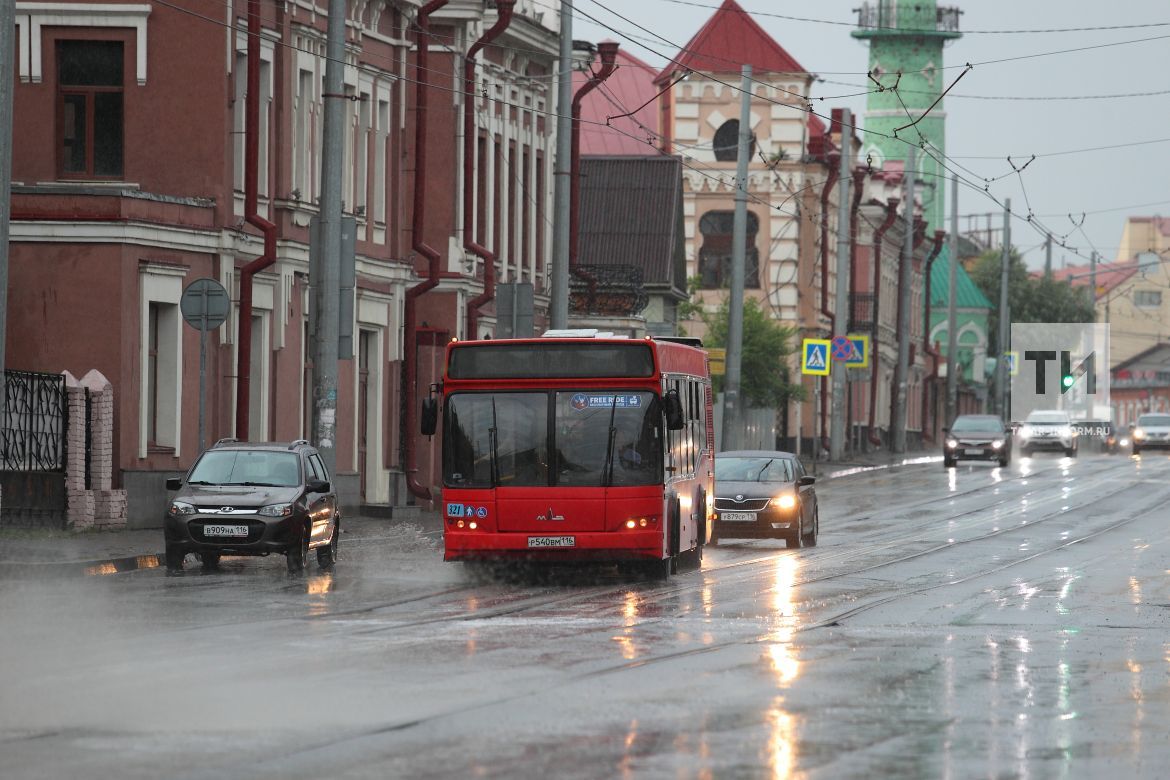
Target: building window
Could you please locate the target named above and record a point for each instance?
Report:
(160, 355)
(1148, 299)
(89, 106)
(715, 254)
(727, 142)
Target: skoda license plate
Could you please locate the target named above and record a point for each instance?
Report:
(552, 541)
(225, 530)
(738, 517)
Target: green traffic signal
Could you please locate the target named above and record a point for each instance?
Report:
(1067, 380)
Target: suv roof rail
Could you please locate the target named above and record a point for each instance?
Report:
(293, 445)
(225, 441)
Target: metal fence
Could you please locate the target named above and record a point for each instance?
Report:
(32, 450)
(34, 422)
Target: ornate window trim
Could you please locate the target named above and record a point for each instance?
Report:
(31, 17)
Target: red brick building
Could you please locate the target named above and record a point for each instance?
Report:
(128, 179)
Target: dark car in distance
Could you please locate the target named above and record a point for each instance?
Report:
(762, 494)
(977, 437)
(249, 498)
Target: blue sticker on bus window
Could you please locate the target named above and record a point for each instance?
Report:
(455, 510)
(583, 401)
(469, 511)
(481, 512)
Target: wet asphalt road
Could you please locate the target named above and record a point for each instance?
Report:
(979, 622)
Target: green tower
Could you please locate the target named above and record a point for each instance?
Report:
(907, 37)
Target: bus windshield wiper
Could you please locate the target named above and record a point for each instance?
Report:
(607, 475)
(493, 443)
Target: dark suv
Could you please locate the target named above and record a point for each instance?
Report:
(252, 498)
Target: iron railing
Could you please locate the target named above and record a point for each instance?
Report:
(614, 290)
(35, 422)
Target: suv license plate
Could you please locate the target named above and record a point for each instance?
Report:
(738, 517)
(552, 541)
(225, 530)
(973, 451)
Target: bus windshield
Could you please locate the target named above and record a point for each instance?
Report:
(598, 438)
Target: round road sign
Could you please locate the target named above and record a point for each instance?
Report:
(205, 304)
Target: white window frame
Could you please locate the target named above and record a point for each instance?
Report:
(161, 284)
(32, 17)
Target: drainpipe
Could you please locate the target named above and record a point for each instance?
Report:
(927, 347)
(409, 431)
(825, 311)
(503, 19)
(878, 235)
(252, 216)
(608, 52)
(917, 235)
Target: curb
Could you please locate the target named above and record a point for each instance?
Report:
(855, 470)
(81, 568)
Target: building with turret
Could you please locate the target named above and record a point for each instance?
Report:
(906, 39)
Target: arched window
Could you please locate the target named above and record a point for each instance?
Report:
(715, 254)
(727, 142)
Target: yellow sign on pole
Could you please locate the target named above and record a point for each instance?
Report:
(815, 357)
(717, 360)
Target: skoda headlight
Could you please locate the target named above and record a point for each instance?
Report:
(181, 508)
(276, 510)
(786, 501)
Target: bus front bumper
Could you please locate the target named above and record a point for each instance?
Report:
(624, 545)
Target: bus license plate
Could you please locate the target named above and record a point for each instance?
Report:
(225, 530)
(552, 541)
(738, 517)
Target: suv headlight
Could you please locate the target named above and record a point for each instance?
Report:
(995, 445)
(276, 510)
(1138, 433)
(1025, 431)
(181, 508)
(952, 443)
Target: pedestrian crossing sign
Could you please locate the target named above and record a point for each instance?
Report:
(860, 355)
(1013, 362)
(815, 357)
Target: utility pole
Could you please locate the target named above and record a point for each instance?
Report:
(952, 309)
(902, 369)
(1001, 369)
(844, 274)
(1093, 283)
(732, 427)
(1048, 256)
(559, 306)
(7, 46)
(328, 287)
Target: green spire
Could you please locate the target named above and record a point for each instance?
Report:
(907, 37)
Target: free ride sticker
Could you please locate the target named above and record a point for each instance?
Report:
(583, 401)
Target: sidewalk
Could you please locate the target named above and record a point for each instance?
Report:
(33, 552)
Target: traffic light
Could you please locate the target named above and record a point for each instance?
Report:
(1066, 381)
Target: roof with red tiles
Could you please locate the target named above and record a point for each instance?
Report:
(629, 87)
(1109, 275)
(730, 39)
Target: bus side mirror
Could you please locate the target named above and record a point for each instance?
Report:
(675, 419)
(430, 415)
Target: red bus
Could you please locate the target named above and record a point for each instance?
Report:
(576, 448)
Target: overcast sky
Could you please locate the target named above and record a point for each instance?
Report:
(1106, 185)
